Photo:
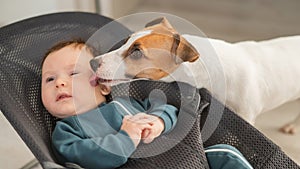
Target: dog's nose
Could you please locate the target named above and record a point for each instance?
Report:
(94, 64)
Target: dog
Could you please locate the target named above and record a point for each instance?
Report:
(256, 76)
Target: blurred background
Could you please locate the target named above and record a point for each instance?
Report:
(229, 20)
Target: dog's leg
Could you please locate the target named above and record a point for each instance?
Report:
(292, 127)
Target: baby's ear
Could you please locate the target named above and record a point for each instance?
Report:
(105, 90)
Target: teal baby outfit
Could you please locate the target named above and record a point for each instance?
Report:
(94, 139)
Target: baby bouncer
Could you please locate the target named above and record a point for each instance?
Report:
(22, 47)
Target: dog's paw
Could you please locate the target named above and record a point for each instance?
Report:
(288, 128)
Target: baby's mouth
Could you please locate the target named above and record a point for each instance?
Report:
(62, 96)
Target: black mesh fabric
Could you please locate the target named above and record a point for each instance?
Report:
(260, 151)
(21, 49)
(184, 142)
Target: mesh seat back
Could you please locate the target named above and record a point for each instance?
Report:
(181, 148)
(260, 151)
(22, 47)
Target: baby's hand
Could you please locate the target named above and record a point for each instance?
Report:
(157, 127)
(134, 127)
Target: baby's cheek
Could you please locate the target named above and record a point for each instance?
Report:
(46, 101)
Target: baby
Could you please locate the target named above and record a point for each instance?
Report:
(92, 132)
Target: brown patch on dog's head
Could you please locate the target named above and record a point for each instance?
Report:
(159, 53)
(181, 49)
(149, 57)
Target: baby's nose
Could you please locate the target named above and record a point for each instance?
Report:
(60, 83)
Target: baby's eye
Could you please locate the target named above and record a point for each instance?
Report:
(49, 79)
(73, 73)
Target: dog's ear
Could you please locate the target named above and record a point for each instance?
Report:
(163, 21)
(186, 52)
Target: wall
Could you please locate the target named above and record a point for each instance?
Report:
(234, 20)
(117, 8)
(15, 10)
(12, 11)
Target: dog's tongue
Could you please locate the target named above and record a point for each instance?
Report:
(94, 80)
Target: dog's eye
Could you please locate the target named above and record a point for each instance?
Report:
(136, 54)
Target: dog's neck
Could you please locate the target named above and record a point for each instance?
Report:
(184, 74)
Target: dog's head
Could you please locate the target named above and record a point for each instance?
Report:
(153, 53)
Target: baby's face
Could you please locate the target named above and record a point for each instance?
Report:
(66, 88)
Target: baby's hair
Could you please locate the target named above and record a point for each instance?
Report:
(77, 43)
